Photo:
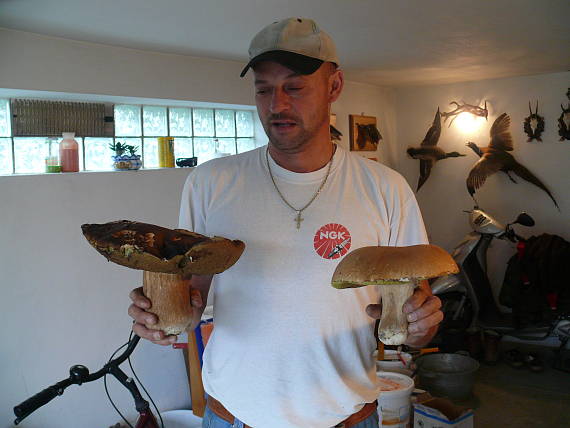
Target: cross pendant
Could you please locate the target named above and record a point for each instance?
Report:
(299, 219)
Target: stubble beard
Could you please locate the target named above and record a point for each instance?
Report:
(292, 144)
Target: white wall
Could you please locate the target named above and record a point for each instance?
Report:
(62, 303)
(443, 197)
(31, 61)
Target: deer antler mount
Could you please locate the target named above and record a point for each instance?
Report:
(564, 121)
(465, 108)
(533, 124)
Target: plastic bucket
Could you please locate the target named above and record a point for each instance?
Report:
(447, 375)
(391, 362)
(180, 419)
(394, 400)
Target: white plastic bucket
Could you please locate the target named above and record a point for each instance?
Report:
(180, 419)
(392, 363)
(394, 400)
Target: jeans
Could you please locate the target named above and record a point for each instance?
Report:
(211, 420)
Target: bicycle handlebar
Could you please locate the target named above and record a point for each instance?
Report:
(41, 398)
(78, 375)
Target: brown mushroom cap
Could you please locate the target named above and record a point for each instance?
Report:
(392, 265)
(158, 249)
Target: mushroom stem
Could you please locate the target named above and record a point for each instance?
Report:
(169, 295)
(393, 327)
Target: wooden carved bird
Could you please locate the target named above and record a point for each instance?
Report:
(496, 157)
(428, 153)
(367, 133)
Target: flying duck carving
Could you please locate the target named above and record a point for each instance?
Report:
(496, 157)
(429, 153)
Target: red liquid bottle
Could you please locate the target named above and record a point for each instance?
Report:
(69, 153)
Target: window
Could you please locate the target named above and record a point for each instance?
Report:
(201, 132)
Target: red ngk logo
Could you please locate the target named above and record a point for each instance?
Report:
(332, 241)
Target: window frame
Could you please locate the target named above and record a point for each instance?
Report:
(116, 137)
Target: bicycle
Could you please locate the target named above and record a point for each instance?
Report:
(79, 374)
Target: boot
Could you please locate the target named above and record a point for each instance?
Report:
(491, 341)
(474, 344)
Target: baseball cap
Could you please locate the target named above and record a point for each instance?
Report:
(296, 43)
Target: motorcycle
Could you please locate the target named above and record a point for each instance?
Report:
(467, 298)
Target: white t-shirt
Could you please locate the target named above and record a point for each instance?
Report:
(288, 349)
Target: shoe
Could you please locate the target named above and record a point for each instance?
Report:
(474, 344)
(533, 362)
(514, 358)
(492, 339)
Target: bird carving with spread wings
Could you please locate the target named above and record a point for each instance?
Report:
(429, 153)
(496, 157)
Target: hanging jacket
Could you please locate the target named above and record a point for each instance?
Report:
(538, 283)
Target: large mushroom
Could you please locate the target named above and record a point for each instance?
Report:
(168, 258)
(397, 271)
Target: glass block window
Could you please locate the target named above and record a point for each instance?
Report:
(6, 162)
(244, 123)
(136, 142)
(227, 145)
(5, 129)
(29, 154)
(154, 121)
(128, 120)
(202, 132)
(151, 152)
(204, 148)
(180, 121)
(98, 154)
(183, 148)
(245, 144)
(225, 123)
(204, 122)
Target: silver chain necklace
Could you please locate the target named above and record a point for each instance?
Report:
(298, 217)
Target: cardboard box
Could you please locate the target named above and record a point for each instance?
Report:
(440, 413)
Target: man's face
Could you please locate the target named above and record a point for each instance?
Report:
(293, 108)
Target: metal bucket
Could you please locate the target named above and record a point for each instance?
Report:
(447, 375)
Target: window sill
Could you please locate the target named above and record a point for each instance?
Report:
(61, 174)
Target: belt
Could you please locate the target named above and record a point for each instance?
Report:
(369, 408)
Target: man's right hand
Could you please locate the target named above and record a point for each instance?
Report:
(138, 311)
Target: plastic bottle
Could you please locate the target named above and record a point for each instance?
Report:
(69, 153)
(52, 155)
(166, 152)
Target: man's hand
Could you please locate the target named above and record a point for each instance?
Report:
(138, 312)
(423, 312)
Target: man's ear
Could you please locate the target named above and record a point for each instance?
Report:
(336, 83)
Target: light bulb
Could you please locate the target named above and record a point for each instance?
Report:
(468, 123)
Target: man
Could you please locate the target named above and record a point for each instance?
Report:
(288, 350)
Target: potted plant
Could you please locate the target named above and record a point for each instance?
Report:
(134, 159)
(121, 161)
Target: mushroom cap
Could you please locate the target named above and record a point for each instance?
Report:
(392, 265)
(158, 249)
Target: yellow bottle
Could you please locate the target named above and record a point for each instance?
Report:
(166, 152)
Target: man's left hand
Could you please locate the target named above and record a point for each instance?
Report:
(423, 312)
